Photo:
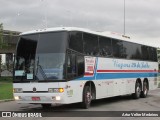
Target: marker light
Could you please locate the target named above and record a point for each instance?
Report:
(61, 90)
(55, 90)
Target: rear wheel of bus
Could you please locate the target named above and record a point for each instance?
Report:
(144, 93)
(138, 89)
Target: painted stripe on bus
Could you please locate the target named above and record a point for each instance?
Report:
(100, 76)
(124, 75)
(126, 71)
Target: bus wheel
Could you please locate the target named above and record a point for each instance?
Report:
(138, 90)
(145, 90)
(45, 106)
(86, 97)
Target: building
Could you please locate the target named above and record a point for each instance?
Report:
(8, 41)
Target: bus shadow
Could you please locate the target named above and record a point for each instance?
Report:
(110, 100)
(77, 106)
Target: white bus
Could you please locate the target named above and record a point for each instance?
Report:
(71, 65)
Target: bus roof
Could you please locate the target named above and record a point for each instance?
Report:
(100, 33)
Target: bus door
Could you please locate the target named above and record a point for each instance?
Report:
(75, 70)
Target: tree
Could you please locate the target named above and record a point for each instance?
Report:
(1, 35)
(158, 55)
(1, 41)
(0, 64)
(3, 44)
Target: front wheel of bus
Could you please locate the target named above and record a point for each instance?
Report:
(46, 106)
(86, 97)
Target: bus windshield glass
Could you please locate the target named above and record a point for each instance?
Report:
(41, 56)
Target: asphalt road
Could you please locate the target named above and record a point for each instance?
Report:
(121, 103)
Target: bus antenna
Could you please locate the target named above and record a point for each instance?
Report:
(124, 18)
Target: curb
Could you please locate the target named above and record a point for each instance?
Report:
(6, 100)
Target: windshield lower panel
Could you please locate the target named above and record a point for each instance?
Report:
(50, 66)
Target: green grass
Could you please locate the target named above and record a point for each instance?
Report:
(6, 88)
(6, 79)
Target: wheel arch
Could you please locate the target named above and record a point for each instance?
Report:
(93, 88)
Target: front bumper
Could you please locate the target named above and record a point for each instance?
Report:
(52, 98)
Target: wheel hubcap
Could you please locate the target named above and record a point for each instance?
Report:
(145, 90)
(88, 97)
(138, 90)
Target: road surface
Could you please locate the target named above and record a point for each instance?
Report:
(121, 103)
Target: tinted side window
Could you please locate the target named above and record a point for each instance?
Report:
(80, 65)
(145, 53)
(155, 54)
(117, 47)
(105, 47)
(90, 44)
(131, 50)
(137, 53)
(127, 50)
(152, 54)
(76, 42)
(71, 66)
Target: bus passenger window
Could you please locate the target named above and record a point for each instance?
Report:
(90, 44)
(105, 46)
(117, 48)
(145, 54)
(76, 42)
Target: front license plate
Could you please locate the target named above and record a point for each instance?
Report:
(35, 98)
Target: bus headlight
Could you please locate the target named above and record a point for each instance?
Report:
(17, 97)
(17, 90)
(56, 90)
(58, 98)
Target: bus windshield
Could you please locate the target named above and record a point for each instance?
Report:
(41, 56)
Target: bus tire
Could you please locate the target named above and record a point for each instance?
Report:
(46, 106)
(86, 97)
(138, 90)
(144, 93)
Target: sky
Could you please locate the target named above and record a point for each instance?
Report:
(142, 17)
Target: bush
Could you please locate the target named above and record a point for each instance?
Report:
(6, 88)
(6, 79)
(6, 91)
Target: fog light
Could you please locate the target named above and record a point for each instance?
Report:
(17, 97)
(58, 98)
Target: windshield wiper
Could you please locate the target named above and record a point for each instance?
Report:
(41, 70)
